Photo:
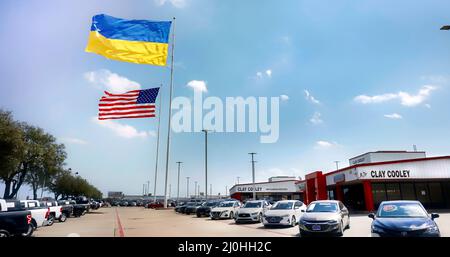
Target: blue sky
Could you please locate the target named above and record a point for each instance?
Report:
(377, 74)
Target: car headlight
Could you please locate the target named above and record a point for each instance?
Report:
(333, 221)
(255, 213)
(432, 229)
(377, 229)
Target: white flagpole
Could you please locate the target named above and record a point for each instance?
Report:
(170, 114)
(157, 145)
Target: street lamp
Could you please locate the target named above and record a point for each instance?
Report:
(206, 162)
(253, 175)
(238, 180)
(187, 187)
(195, 189)
(178, 186)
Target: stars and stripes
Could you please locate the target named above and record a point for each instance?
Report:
(132, 104)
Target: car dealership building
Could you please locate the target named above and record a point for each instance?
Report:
(369, 179)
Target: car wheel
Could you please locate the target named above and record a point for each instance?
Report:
(4, 233)
(293, 221)
(29, 232)
(260, 218)
(341, 230)
(231, 215)
(50, 220)
(198, 215)
(348, 224)
(34, 224)
(63, 217)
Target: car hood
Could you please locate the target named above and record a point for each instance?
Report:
(278, 212)
(249, 210)
(320, 216)
(222, 209)
(403, 224)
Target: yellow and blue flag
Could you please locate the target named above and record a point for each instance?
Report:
(136, 41)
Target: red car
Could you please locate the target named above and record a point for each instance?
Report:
(155, 205)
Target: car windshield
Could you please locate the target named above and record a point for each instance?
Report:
(401, 210)
(283, 206)
(253, 205)
(322, 207)
(210, 204)
(226, 204)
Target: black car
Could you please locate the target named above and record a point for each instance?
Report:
(192, 208)
(14, 219)
(179, 206)
(403, 219)
(186, 206)
(205, 209)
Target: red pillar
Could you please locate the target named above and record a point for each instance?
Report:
(368, 197)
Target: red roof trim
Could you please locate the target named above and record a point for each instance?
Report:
(388, 162)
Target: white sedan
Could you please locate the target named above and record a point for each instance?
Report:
(286, 212)
(225, 210)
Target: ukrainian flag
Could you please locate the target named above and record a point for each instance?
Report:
(136, 41)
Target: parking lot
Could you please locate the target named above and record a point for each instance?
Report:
(136, 222)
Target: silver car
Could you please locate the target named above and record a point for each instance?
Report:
(324, 217)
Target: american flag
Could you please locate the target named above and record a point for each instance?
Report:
(132, 104)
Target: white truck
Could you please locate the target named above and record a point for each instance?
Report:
(55, 211)
(39, 215)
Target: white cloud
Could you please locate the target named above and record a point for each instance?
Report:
(111, 82)
(261, 74)
(284, 97)
(269, 73)
(71, 140)
(316, 118)
(310, 97)
(197, 85)
(122, 130)
(321, 144)
(406, 99)
(175, 3)
(394, 116)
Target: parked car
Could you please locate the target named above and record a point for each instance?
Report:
(252, 211)
(39, 215)
(286, 213)
(66, 208)
(83, 201)
(179, 206)
(14, 219)
(156, 205)
(325, 217)
(55, 211)
(225, 210)
(79, 208)
(191, 207)
(123, 203)
(206, 207)
(403, 219)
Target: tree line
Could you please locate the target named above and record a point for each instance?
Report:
(31, 156)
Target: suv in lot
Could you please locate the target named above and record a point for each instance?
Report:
(252, 211)
(206, 207)
(225, 210)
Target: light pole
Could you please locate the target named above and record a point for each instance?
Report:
(170, 190)
(178, 185)
(253, 175)
(148, 188)
(195, 189)
(143, 189)
(206, 162)
(210, 189)
(187, 187)
(226, 191)
(198, 191)
(238, 180)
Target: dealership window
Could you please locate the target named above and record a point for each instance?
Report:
(393, 191)
(422, 193)
(331, 195)
(437, 199)
(379, 193)
(408, 192)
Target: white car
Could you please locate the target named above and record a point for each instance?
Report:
(55, 211)
(225, 210)
(286, 212)
(252, 211)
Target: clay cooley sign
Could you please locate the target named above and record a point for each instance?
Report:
(394, 174)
